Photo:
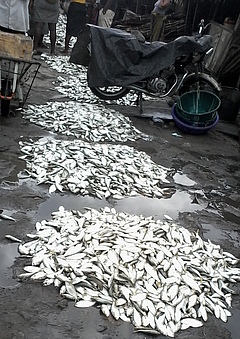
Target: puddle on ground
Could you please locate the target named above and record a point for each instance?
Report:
(8, 170)
(8, 253)
(233, 324)
(231, 216)
(92, 325)
(217, 235)
(179, 202)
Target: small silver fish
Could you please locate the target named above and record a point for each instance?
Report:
(14, 239)
(7, 217)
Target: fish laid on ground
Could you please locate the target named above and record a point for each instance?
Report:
(83, 121)
(76, 166)
(156, 298)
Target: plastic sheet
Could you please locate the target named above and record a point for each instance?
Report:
(119, 59)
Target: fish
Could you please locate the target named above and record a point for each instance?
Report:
(152, 273)
(84, 255)
(81, 172)
(12, 238)
(7, 217)
(84, 303)
(63, 118)
(189, 322)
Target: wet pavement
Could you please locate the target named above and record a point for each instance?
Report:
(205, 197)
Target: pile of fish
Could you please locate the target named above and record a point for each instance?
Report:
(75, 85)
(101, 170)
(76, 89)
(61, 64)
(84, 121)
(154, 274)
(151, 273)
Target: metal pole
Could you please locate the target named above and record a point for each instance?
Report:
(137, 6)
(194, 18)
(15, 77)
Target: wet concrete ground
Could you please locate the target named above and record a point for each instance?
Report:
(206, 197)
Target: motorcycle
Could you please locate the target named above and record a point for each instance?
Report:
(119, 63)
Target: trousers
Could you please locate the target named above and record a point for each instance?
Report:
(157, 27)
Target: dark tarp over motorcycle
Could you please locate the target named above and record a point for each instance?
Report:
(119, 59)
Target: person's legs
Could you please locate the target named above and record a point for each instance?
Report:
(76, 20)
(52, 29)
(37, 35)
(66, 49)
(67, 40)
(157, 28)
(69, 21)
(41, 43)
(161, 31)
(45, 31)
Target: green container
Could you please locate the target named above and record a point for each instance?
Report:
(191, 122)
(198, 106)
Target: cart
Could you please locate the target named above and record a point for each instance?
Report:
(17, 69)
(16, 79)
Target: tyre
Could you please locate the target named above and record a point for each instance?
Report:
(201, 84)
(110, 93)
(5, 106)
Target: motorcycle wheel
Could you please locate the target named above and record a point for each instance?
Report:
(194, 85)
(110, 92)
(5, 106)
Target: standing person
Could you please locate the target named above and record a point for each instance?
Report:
(107, 10)
(76, 21)
(46, 11)
(14, 16)
(31, 31)
(158, 18)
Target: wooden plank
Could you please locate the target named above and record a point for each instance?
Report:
(15, 46)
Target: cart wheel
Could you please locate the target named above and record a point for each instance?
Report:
(5, 105)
